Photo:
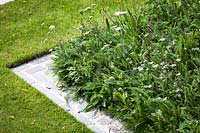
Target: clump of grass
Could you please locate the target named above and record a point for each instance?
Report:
(142, 68)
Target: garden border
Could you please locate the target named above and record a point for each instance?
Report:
(38, 74)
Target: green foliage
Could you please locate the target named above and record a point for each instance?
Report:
(143, 68)
(25, 33)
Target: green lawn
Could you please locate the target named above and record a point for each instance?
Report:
(24, 27)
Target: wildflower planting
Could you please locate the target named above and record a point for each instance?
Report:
(142, 68)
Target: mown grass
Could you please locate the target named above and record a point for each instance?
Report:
(24, 35)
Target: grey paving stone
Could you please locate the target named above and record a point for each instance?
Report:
(27, 78)
(48, 63)
(113, 129)
(35, 69)
(21, 68)
(40, 77)
(96, 114)
(97, 129)
(82, 105)
(104, 113)
(65, 107)
(54, 79)
(89, 114)
(82, 119)
(117, 124)
(52, 86)
(55, 98)
(47, 57)
(48, 72)
(54, 90)
(73, 106)
(40, 60)
(104, 121)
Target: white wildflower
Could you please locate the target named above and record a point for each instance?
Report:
(165, 66)
(162, 63)
(159, 112)
(178, 60)
(155, 66)
(153, 114)
(135, 68)
(125, 94)
(168, 47)
(118, 28)
(173, 42)
(111, 78)
(111, 64)
(161, 76)
(146, 35)
(120, 13)
(195, 49)
(158, 98)
(147, 86)
(162, 39)
(119, 89)
(173, 65)
(86, 33)
(51, 27)
(178, 74)
(150, 63)
(130, 62)
(140, 68)
(178, 90)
